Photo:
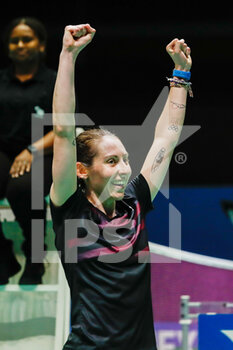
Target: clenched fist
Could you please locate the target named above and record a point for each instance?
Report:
(76, 37)
(180, 54)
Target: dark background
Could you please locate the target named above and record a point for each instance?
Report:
(122, 72)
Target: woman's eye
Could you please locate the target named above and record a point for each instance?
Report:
(14, 40)
(24, 39)
(27, 39)
(111, 161)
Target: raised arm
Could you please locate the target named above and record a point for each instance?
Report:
(64, 152)
(169, 125)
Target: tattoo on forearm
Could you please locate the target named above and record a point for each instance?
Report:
(176, 105)
(174, 126)
(158, 159)
(74, 142)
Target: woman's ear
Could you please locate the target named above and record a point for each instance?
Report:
(42, 48)
(82, 171)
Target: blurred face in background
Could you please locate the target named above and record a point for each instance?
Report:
(24, 45)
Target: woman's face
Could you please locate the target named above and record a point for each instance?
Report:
(24, 45)
(110, 171)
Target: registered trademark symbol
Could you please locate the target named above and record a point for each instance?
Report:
(180, 157)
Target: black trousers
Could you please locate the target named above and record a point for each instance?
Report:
(18, 191)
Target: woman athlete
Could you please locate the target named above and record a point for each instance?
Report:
(99, 218)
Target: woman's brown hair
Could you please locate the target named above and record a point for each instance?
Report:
(87, 142)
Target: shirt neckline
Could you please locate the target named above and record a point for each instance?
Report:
(125, 209)
(37, 77)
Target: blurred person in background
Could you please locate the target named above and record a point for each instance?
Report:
(26, 88)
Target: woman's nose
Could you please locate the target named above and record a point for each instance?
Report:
(124, 168)
(20, 43)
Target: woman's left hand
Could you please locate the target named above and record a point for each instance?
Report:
(180, 54)
(22, 163)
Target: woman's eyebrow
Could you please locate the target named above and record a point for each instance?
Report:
(116, 156)
(111, 156)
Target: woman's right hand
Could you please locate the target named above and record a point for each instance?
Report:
(22, 163)
(77, 37)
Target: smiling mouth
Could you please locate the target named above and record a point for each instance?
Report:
(119, 185)
(21, 52)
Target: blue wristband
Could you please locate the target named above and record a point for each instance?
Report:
(181, 74)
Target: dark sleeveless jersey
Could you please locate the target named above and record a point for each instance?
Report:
(105, 266)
